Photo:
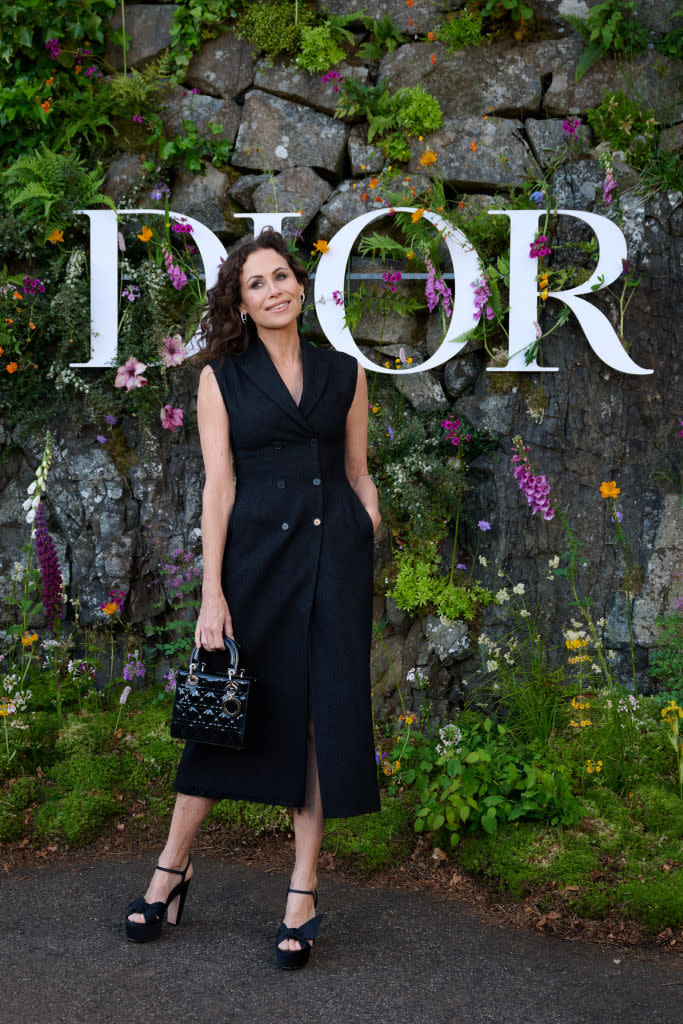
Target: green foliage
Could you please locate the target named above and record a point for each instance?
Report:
(258, 818)
(14, 798)
(48, 186)
(624, 122)
(419, 585)
(666, 659)
(465, 28)
(477, 779)
(338, 26)
(75, 818)
(373, 842)
(385, 37)
(317, 50)
(514, 10)
(189, 149)
(273, 27)
(193, 22)
(417, 112)
(29, 77)
(609, 27)
(671, 43)
(391, 119)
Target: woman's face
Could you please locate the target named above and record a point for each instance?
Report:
(271, 294)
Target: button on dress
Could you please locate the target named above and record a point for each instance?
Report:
(297, 577)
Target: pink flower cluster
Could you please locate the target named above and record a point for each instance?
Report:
(178, 278)
(181, 228)
(333, 76)
(608, 187)
(539, 248)
(33, 285)
(482, 293)
(50, 574)
(171, 418)
(389, 279)
(570, 126)
(435, 287)
(338, 298)
(452, 427)
(535, 487)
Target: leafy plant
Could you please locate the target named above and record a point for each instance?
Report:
(515, 10)
(465, 28)
(317, 50)
(624, 122)
(666, 659)
(417, 111)
(193, 22)
(189, 149)
(391, 119)
(385, 37)
(477, 779)
(419, 586)
(274, 27)
(48, 186)
(609, 26)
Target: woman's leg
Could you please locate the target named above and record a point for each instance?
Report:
(188, 814)
(309, 827)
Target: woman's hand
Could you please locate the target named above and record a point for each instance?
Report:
(376, 519)
(214, 623)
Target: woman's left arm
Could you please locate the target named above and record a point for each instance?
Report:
(356, 450)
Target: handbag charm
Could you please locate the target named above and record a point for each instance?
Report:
(211, 707)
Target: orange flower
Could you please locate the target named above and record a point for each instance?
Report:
(29, 638)
(374, 182)
(610, 490)
(431, 36)
(410, 255)
(32, 325)
(2, 351)
(46, 106)
(409, 3)
(145, 234)
(18, 296)
(415, 216)
(410, 22)
(50, 80)
(363, 197)
(433, 58)
(8, 320)
(77, 69)
(321, 246)
(56, 236)
(461, 205)
(473, 147)
(110, 607)
(12, 367)
(427, 158)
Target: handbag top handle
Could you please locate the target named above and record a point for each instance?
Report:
(230, 646)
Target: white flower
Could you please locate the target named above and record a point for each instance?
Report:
(482, 561)
(518, 588)
(524, 613)
(491, 665)
(554, 562)
(502, 596)
(500, 573)
(124, 694)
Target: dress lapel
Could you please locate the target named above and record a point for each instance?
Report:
(258, 365)
(316, 368)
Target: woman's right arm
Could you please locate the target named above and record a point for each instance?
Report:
(218, 498)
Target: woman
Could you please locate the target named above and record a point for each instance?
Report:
(287, 572)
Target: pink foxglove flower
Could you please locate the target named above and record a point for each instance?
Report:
(129, 375)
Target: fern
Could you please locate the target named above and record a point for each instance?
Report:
(379, 245)
(49, 186)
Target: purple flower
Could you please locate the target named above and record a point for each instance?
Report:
(128, 673)
(570, 126)
(608, 187)
(132, 292)
(181, 228)
(483, 525)
(178, 278)
(625, 267)
(538, 197)
(482, 293)
(338, 298)
(137, 119)
(535, 487)
(539, 248)
(390, 432)
(332, 76)
(122, 243)
(436, 287)
(111, 419)
(159, 190)
(618, 515)
(461, 565)
(53, 48)
(101, 439)
(50, 575)
(32, 285)
(173, 350)
(94, 72)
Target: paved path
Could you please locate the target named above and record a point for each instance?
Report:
(382, 957)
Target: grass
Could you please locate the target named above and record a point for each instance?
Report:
(623, 856)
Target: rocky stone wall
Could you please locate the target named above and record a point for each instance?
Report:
(585, 423)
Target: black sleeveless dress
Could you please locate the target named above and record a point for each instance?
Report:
(297, 577)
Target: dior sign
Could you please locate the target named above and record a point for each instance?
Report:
(331, 271)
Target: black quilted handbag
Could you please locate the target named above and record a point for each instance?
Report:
(211, 707)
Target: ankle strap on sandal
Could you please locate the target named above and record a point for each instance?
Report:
(175, 871)
(306, 892)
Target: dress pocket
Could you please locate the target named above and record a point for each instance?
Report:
(364, 512)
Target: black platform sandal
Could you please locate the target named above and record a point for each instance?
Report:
(290, 959)
(137, 931)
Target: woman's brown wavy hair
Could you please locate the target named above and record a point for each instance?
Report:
(221, 328)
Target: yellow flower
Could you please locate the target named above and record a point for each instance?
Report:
(321, 246)
(145, 234)
(28, 639)
(573, 645)
(375, 408)
(56, 236)
(544, 294)
(409, 359)
(416, 215)
(428, 158)
(410, 255)
(610, 490)
(671, 710)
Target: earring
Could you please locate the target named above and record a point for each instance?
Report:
(243, 317)
(303, 298)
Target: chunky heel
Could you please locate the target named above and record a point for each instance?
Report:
(291, 959)
(150, 929)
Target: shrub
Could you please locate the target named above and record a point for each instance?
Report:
(464, 29)
(419, 585)
(272, 27)
(417, 112)
(624, 122)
